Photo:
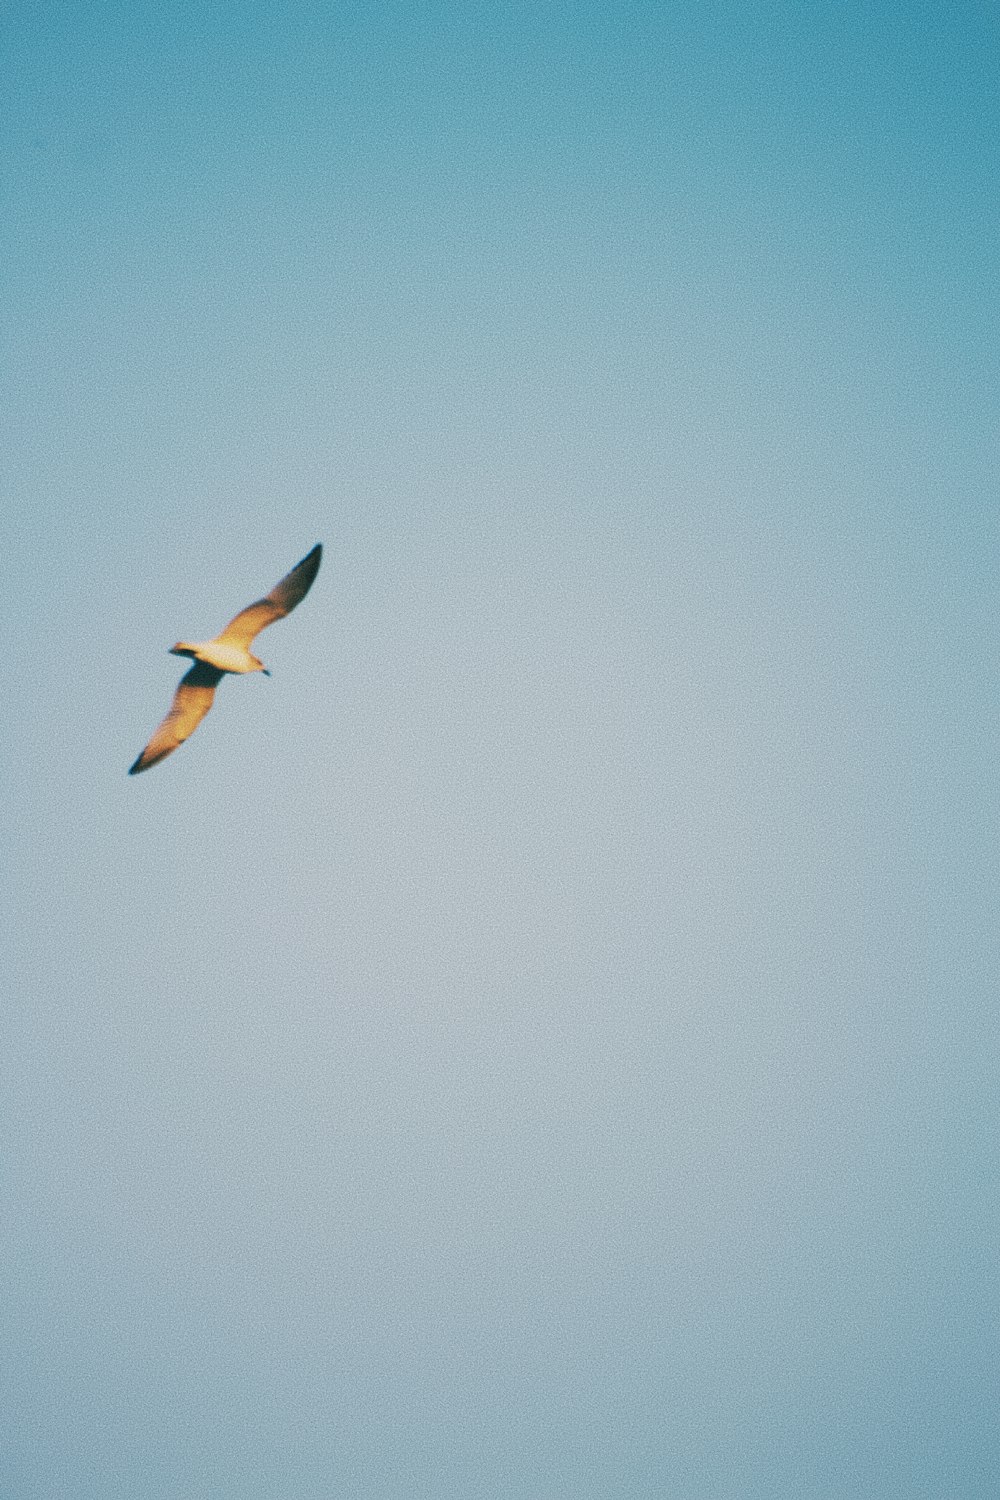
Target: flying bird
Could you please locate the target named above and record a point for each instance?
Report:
(227, 652)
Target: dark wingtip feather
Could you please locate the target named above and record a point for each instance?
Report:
(142, 764)
(304, 574)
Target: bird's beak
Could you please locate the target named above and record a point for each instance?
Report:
(265, 671)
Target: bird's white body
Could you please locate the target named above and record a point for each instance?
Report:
(223, 655)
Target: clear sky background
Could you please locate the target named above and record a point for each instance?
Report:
(542, 1042)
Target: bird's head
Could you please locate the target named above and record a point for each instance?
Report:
(183, 648)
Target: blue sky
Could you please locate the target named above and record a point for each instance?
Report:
(541, 1042)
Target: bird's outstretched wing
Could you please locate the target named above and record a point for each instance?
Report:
(192, 701)
(279, 602)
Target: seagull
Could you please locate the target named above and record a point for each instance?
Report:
(227, 652)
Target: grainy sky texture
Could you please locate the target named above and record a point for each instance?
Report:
(541, 1044)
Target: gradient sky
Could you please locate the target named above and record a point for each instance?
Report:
(542, 1042)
